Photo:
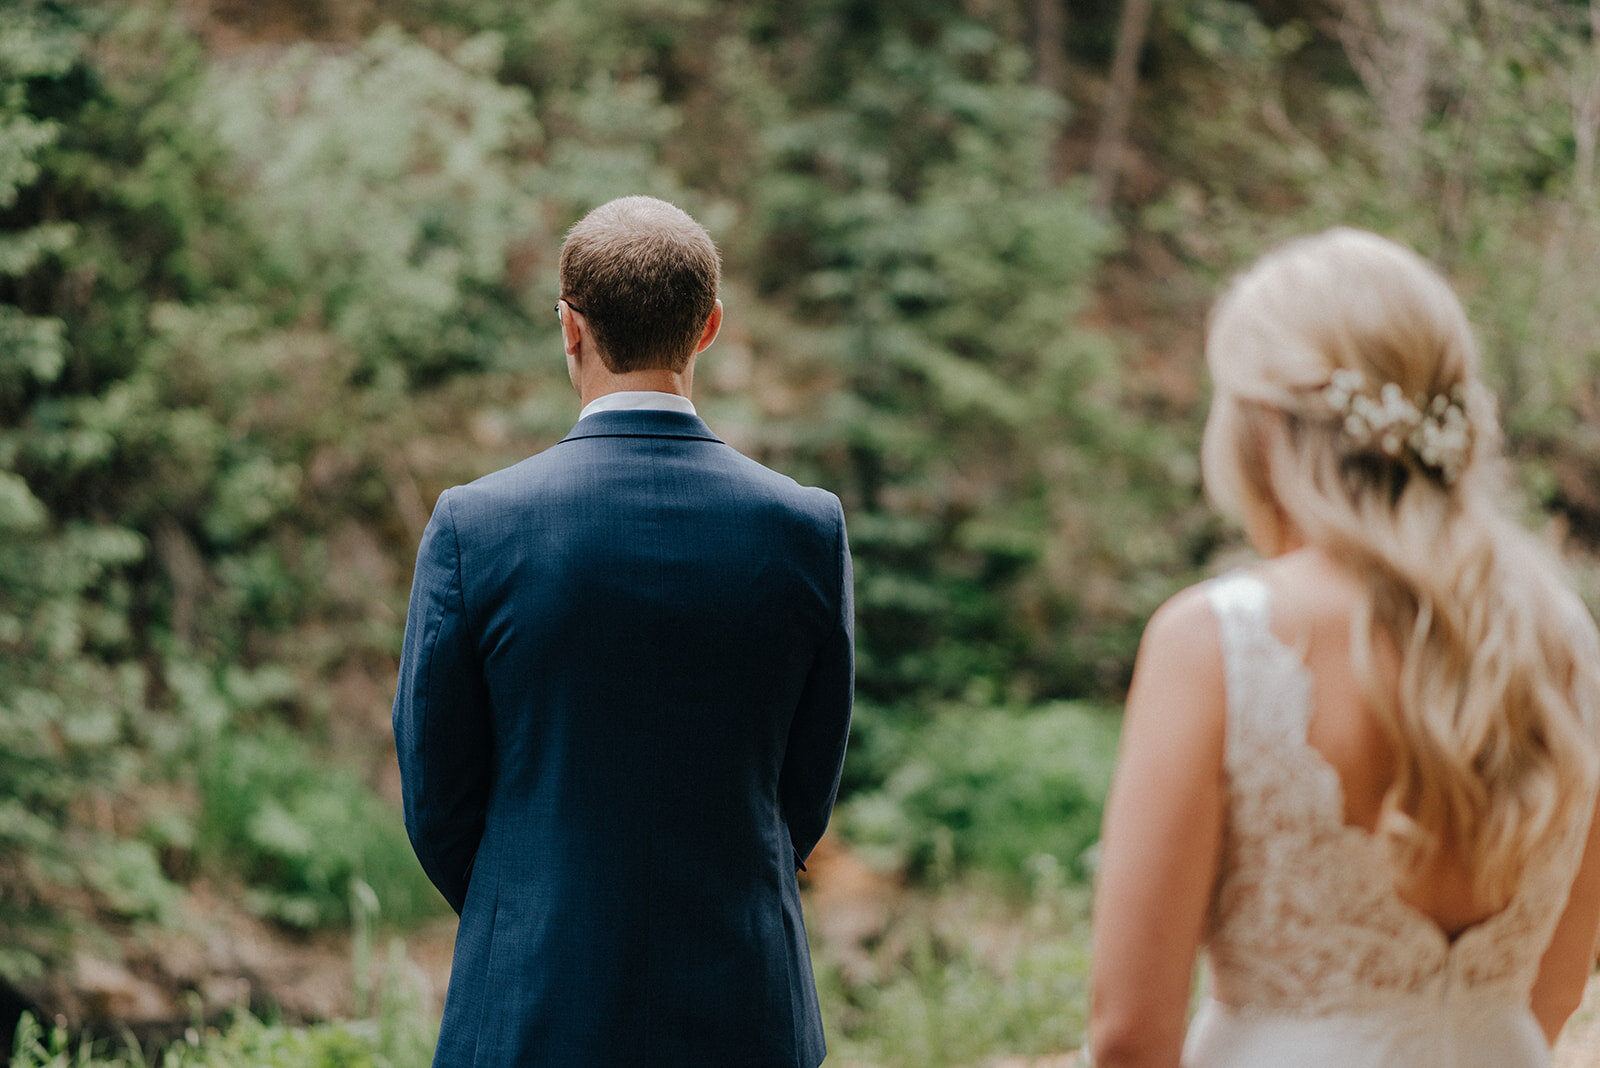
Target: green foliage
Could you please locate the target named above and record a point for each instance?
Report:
(148, 475)
(995, 790)
(1460, 133)
(388, 188)
(304, 835)
(570, 45)
(910, 221)
(126, 875)
(67, 685)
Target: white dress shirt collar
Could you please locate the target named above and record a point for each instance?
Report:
(634, 400)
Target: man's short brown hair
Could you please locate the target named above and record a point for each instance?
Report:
(644, 276)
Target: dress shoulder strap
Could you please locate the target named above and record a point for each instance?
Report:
(1242, 605)
(1241, 602)
(1268, 689)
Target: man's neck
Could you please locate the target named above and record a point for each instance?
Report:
(654, 380)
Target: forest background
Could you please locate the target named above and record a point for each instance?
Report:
(275, 272)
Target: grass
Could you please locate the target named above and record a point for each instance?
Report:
(246, 1043)
(959, 975)
(397, 1032)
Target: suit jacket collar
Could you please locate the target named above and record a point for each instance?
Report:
(642, 423)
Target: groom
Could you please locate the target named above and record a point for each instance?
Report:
(623, 702)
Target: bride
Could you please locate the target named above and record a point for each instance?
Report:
(1361, 774)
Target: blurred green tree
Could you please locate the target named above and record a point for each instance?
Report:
(906, 216)
(152, 481)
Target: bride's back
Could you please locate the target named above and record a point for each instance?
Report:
(1315, 602)
(1324, 949)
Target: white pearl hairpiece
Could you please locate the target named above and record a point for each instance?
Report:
(1437, 435)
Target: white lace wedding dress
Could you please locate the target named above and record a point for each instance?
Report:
(1315, 961)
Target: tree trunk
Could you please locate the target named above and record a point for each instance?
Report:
(1049, 30)
(1118, 107)
(1586, 117)
(1050, 66)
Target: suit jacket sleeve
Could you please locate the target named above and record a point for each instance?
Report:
(814, 758)
(441, 716)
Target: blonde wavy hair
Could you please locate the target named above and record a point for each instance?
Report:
(1490, 718)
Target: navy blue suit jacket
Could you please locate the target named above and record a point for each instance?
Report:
(621, 715)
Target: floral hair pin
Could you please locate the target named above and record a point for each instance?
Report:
(1437, 436)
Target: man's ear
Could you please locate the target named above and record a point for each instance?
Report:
(713, 324)
(573, 328)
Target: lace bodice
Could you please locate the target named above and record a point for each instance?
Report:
(1305, 919)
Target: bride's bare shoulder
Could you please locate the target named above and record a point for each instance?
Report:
(1180, 652)
(1185, 619)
